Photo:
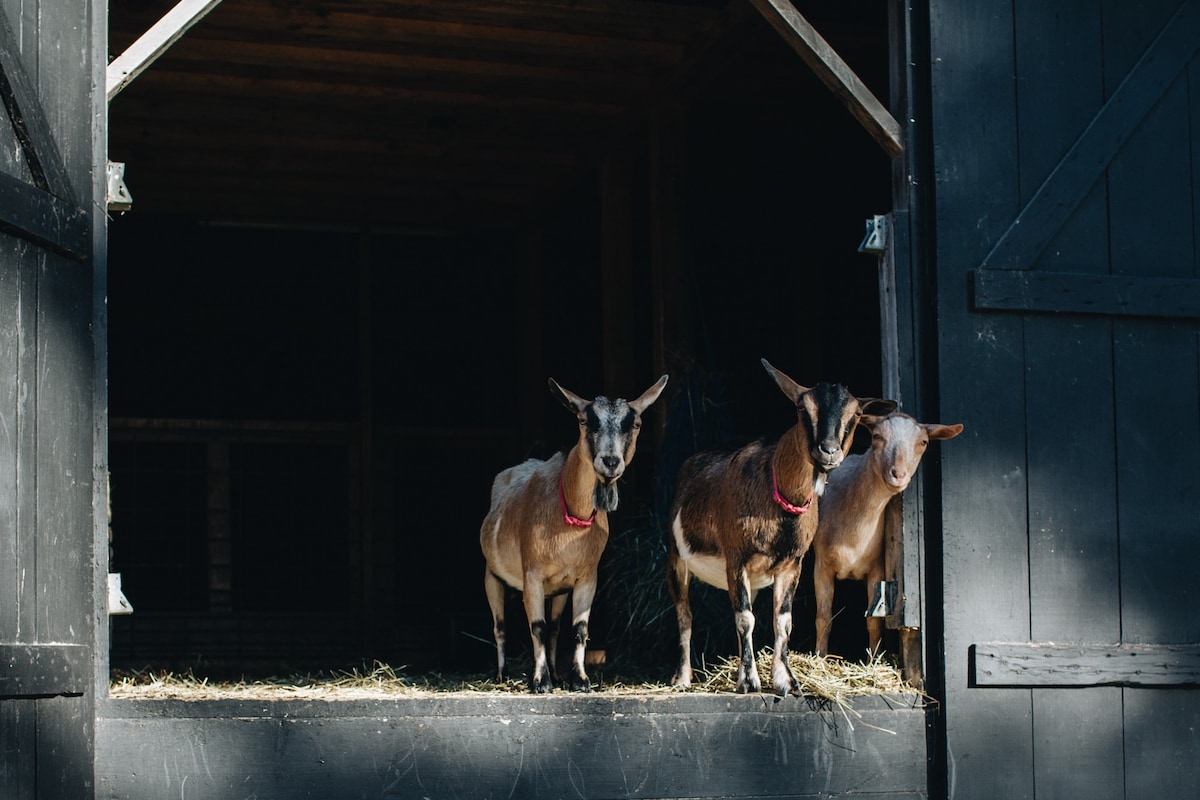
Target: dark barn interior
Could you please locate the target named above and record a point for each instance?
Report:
(363, 235)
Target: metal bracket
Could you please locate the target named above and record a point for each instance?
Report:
(876, 240)
(883, 599)
(117, 196)
(117, 604)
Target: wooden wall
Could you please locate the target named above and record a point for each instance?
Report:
(50, 222)
(1063, 150)
(507, 746)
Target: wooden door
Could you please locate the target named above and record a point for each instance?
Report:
(1067, 180)
(47, 605)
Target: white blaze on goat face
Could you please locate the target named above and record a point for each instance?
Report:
(611, 431)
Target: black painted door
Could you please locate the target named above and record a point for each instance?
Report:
(47, 398)
(1067, 182)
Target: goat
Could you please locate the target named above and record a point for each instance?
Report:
(735, 525)
(533, 541)
(849, 543)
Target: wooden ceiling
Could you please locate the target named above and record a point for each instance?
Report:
(417, 112)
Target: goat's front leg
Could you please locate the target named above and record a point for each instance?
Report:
(742, 598)
(823, 591)
(581, 604)
(494, 588)
(677, 582)
(535, 609)
(785, 592)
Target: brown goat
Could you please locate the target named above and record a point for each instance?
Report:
(533, 540)
(743, 521)
(849, 544)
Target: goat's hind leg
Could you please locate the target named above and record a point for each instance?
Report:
(557, 603)
(678, 578)
(495, 590)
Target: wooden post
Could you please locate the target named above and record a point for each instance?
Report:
(666, 249)
(366, 453)
(531, 372)
(220, 539)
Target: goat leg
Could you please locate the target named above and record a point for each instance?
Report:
(495, 590)
(742, 598)
(557, 604)
(581, 603)
(677, 582)
(785, 591)
(540, 681)
(823, 590)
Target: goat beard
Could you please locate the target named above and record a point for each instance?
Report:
(605, 496)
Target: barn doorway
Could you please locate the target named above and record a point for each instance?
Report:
(331, 323)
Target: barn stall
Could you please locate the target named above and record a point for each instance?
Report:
(1045, 291)
(361, 238)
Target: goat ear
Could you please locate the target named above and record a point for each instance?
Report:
(789, 387)
(568, 398)
(870, 420)
(649, 396)
(943, 431)
(876, 405)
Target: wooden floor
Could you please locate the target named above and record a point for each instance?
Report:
(592, 746)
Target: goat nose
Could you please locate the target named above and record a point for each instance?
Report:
(829, 447)
(610, 462)
(899, 474)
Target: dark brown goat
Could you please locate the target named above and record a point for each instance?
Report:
(742, 521)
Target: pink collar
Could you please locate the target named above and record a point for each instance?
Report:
(574, 522)
(784, 504)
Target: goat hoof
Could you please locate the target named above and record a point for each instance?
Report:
(581, 685)
(541, 685)
(749, 687)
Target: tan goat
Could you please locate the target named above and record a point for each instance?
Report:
(548, 526)
(742, 521)
(849, 543)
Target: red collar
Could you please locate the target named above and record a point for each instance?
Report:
(783, 503)
(574, 522)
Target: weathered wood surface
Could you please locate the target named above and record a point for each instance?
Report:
(1075, 293)
(1066, 186)
(512, 746)
(44, 670)
(1048, 664)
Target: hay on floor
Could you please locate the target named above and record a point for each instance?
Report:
(832, 679)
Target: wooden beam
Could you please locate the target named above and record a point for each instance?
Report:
(154, 42)
(1070, 665)
(36, 215)
(43, 670)
(833, 72)
(1085, 293)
